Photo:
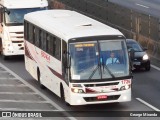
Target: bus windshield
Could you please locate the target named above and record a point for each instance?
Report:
(16, 16)
(101, 59)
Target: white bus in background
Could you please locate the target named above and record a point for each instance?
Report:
(11, 28)
(66, 52)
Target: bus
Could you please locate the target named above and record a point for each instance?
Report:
(66, 52)
(11, 28)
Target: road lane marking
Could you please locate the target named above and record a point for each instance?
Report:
(20, 85)
(35, 90)
(3, 72)
(18, 93)
(155, 67)
(23, 101)
(19, 109)
(8, 78)
(142, 5)
(147, 104)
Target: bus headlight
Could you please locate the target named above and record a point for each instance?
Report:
(77, 90)
(125, 87)
(145, 57)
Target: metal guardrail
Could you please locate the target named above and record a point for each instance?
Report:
(133, 24)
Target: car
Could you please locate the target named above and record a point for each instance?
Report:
(140, 58)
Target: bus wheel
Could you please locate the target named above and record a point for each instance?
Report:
(39, 80)
(63, 96)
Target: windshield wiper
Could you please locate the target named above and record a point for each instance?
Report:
(94, 71)
(106, 67)
(99, 68)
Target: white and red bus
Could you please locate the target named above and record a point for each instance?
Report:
(66, 52)
(11, 28)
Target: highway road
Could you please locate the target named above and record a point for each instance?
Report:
(145, 6)
(145, 93)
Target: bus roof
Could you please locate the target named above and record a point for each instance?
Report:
(68, 24)
(11, 4)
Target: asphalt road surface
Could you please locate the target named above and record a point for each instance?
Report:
(145, 94)
(151, 7)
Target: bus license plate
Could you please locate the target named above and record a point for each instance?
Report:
(137, 63)
(101, 97)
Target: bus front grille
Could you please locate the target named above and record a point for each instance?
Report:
(101, 84)
(22, 48)
(17, 41)
(94, 99)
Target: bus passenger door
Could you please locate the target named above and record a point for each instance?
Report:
(64, 61)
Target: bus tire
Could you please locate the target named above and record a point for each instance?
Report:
(63, 95)
(39, 79)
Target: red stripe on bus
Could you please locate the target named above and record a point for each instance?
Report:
(56, 73)
(27, 53)
(88, 90)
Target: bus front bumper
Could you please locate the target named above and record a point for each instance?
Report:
(113, 97)
(13, 52)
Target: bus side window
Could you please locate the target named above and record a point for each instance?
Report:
(37, 37)
(26, 30)
(31, 33)
(58, 49)
(52, 45)
(47, 43)
(27, 35)
(44, 41)
(1, 14)
(40, 38)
